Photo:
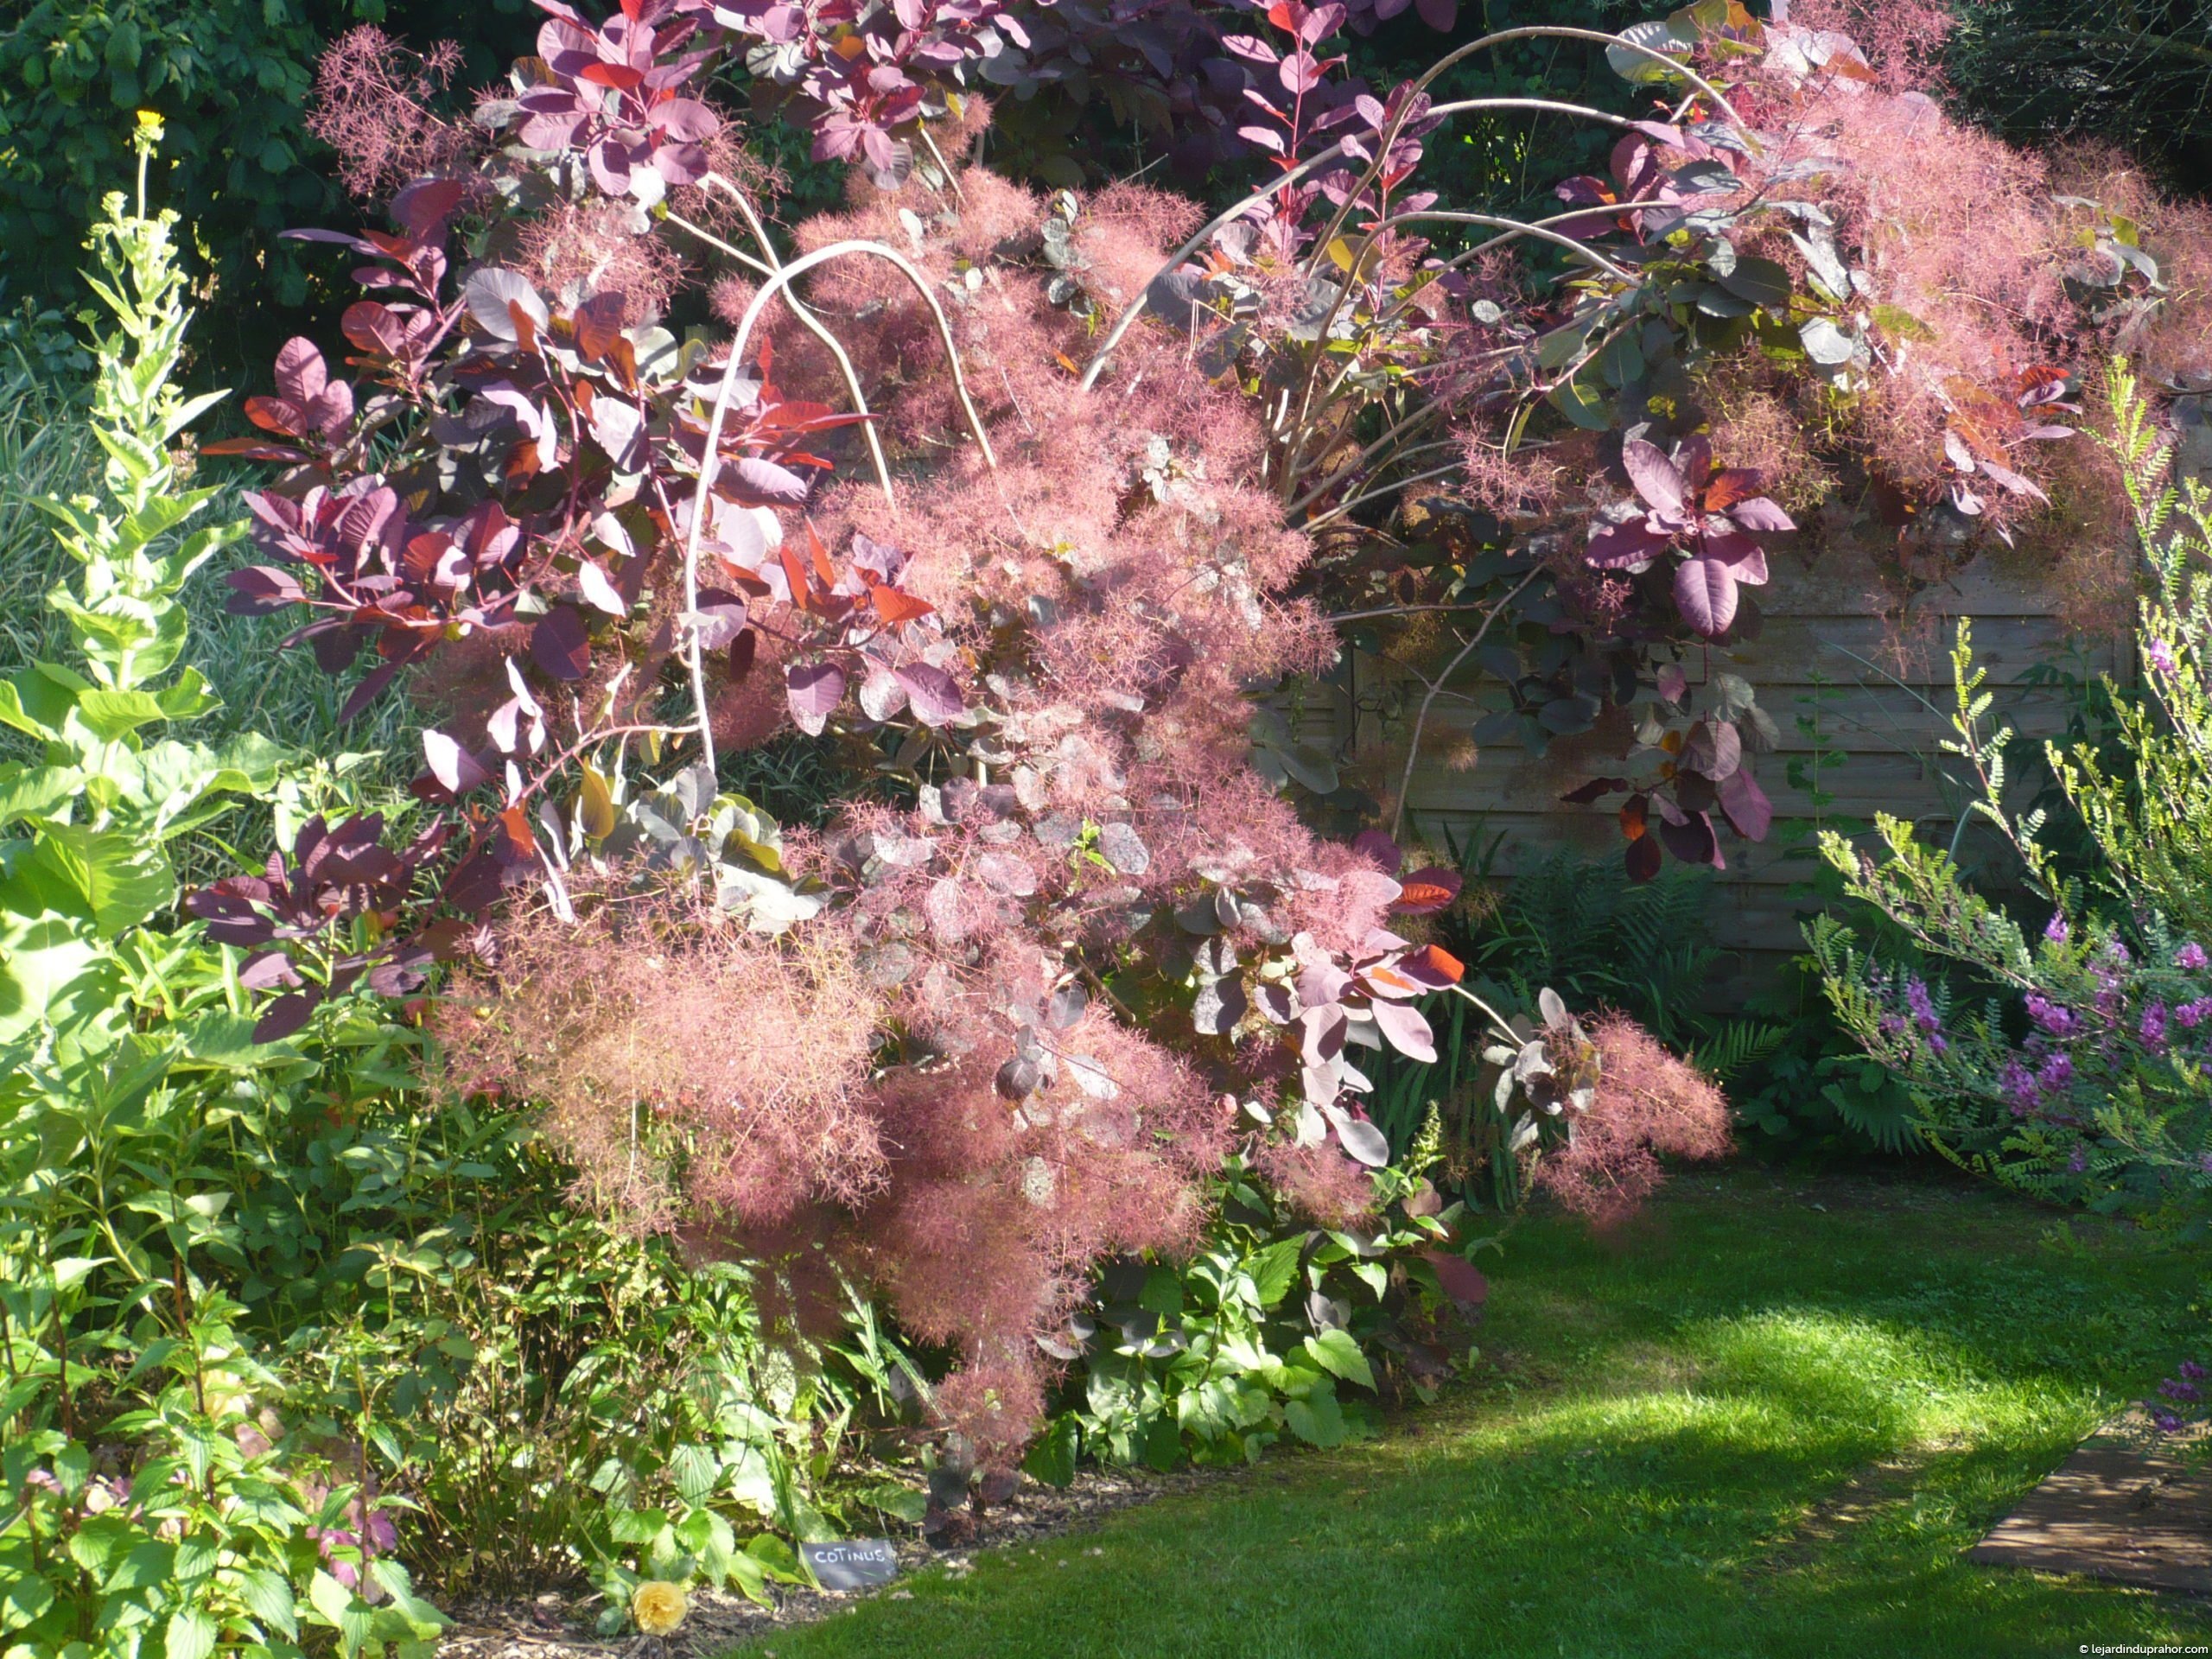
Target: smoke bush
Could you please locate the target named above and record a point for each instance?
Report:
(1648, 1103)
(1013, 503)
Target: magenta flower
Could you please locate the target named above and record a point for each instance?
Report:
(2058, 1021)
(2152, 1027)
(2192, 955)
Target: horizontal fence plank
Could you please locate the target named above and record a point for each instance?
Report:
(1850, 670)
(1847, 719)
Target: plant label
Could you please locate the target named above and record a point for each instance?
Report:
(856, 1564)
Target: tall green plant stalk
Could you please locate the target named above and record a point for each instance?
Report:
(2089, 1074)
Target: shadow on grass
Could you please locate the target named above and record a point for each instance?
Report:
(1764, 1429)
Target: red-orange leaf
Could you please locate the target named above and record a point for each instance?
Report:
(1435, 959)
(794, 573)
(895, 607)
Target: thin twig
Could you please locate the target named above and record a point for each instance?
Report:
(711, 458)
(815, 325)
(1420, 718)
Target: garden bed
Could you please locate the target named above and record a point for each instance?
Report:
(551, 1626)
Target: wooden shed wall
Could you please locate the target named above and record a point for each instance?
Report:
(1878, 686)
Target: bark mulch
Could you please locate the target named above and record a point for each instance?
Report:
(554, 1626)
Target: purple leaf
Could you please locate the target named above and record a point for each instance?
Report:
(599, 593)
(260, 589)
(1673, 683)
(934, 694)
(1124, 848)
(1746, 806)
(813, 689)
(620, 431)
(1408, 1031)
(301, 375)
(1300, 72)
(1657, 479)
(881, 693)
(560, 645)
(1714, 748)
(1459, 1278)
(1324, 1031)
(719, 620)
(1623, 547)
(1441, 16)
(1378, 849)
(1320, 23)
(2012, 480)
(1596, 789)
(766, 483)
(454, 767)
(371, 685)
(268, 970)
(1705, 589)
(286, 1015)
(1746, 558)
(490, 291)
(1693, 841)
(683, 117)
(1761, 514)
(1364, 1142)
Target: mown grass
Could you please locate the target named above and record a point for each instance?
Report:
(1767, 1421)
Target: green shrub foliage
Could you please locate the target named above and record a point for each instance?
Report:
(2087, 1076)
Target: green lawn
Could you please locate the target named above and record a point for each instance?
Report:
(1766, 1422)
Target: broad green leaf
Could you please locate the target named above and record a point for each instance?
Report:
(191, 1634)
(268, 1599)
(28, 716)
(35, 792)
(23, 1599)
(1273, 1269)
(1336, 1351)
(1050, 1459)
(121, 882)
(110, 714)
(1318, 1419)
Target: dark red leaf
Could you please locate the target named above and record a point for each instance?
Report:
(1461, 1279)
(1596, 789)
(561, 645)
(1643, 858)
(286, 1015)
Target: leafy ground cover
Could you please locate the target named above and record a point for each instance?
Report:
(1768, 1420)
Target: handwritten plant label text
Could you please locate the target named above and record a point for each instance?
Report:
(856, 1564)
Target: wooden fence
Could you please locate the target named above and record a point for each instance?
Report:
(1861, 700)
